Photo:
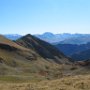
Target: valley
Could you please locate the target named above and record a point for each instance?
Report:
(44, 44)
(28, 63)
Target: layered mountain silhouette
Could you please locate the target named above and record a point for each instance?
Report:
(30, 55)
(70, 44)
(56, 38)
(13, 36)
(31, 58)
(41, 47)
(83, 39)
(65, 38)
(76, 52)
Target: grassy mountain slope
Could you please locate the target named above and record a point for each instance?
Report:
(23, 67)
(24, 62)
(44, 49)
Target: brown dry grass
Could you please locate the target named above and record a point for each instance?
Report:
(80, 82)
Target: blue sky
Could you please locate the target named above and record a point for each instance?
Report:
(39, 16)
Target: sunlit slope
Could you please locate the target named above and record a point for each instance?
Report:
(3, 40)
(68, 83)
(19, 61)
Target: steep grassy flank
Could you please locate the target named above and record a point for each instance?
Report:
(8, 42)
(27, 63)
(44, 49)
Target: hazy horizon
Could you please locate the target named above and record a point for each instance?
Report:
(39, 16)
(41, 33)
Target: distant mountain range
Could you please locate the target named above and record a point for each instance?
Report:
(76, 52)
(82, 39)
(13, 36)
(64, 38)
(72, 45)
(53, 38)
(59, 38)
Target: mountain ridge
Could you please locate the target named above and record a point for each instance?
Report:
(57, 38)
(25, 60)
(44, 49)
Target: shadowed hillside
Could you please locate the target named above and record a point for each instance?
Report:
(43, 48)
(76, 52)
(83, 55)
